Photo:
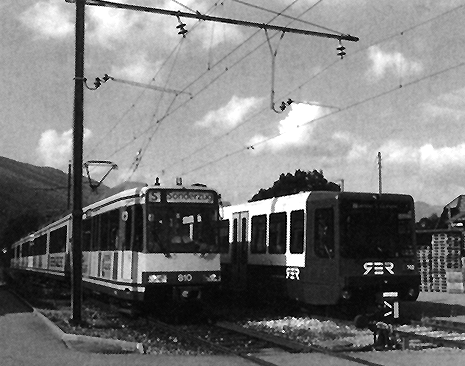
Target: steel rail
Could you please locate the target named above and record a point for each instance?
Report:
(296, 346)
(210, 344)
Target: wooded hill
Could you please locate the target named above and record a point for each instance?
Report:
(34, 192)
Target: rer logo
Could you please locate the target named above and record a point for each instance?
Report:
(378, 268)
(292, 273)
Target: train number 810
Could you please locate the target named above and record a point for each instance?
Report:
(185, 277)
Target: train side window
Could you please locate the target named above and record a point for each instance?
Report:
(95, 242)
(104, 228)
(223, 236)
(40, 244)
(58, 240)
(297, 232)
(86, 234)
(25, 249)
(128, 228)
(113, 229)
(138, 228)
(324, 233)
(258, 240)
(278, 227)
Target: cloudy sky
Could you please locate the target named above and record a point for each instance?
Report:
(207, 107)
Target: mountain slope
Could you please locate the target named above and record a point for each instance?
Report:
(26, 188)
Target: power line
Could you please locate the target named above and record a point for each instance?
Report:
(346, 37)
(288, 16)
(217, 138)
(369, 99)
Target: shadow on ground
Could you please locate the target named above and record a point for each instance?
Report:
(10, 303)
(420, 309)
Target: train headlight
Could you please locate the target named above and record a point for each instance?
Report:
(212, 277)
(346, 294)
(158, 278)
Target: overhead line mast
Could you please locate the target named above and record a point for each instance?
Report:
(199, 16)
(78, 115)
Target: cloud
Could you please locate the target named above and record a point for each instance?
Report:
(212, 34)
(231, 114)
(138, 68)
(55, 149)
(109, 26)
(449, 105)
(49, 19)
(294, 129)
(394, 62)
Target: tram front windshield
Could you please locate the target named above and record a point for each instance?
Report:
(377, 230)
(182, 230)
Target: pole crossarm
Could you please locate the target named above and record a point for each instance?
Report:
(197, 15)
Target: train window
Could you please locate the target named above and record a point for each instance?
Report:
(223, 236)
(235, 229)
(258, 240)
(104, 227)
(128, 229)
(86, 234)
(138, 228)
(25, 249)
(297, 232)
(40, 245)
(58, 240)
(324, 232)
(95, 244)
(113, 229)
(278, 227)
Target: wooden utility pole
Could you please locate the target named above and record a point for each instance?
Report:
(78, 136)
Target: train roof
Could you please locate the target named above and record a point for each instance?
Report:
(298, 201)
(139, 192)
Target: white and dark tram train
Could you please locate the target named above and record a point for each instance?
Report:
(322, 248)
(147, 244)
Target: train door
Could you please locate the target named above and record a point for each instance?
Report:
(239, 250)
(127, 221)
(323, 274)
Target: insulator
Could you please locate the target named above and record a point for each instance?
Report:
(282, 106)
(181, 26)
(183, 32)
(97, 82)
(341, 49)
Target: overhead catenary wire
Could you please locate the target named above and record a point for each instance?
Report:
(259, 112)
(204, 17)
(168, 113)
(209, 84)
(288, 16)
(363, 101)
(174, 51)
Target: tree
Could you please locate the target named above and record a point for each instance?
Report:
(301, 181)
(428, 223)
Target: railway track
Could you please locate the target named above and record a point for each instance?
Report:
(229, 338)
(435, 332)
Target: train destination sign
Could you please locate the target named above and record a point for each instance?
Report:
(182, 197)
(189, 197)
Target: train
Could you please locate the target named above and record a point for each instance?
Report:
(151, 245)
(322, 248)
(168, 244)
